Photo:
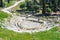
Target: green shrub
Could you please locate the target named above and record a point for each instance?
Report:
(58, 8)
(48, 10)
(22, 5)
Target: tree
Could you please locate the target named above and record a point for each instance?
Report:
(32, 6)
(58, 5)
(44, 7)
(8, 1)
(1, 3)
(23, 6)
(54, 5)
(36, 8)
(58, 2)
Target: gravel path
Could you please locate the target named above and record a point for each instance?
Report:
(8, 8)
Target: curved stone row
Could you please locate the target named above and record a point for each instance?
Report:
(24, 24)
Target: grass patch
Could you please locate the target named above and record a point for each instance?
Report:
(3, 15)
(9, 4)
(48, 35)
(10, 35)
(45, 35)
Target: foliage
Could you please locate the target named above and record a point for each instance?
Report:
(22, 5)
(58, 8)
(6, 4)
(48, 10)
